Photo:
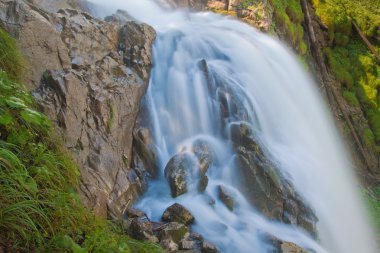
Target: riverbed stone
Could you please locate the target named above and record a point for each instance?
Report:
(208, 247)
(225, 197)
(141, 229)
(173, 231)
(178, 213)
(177, 171)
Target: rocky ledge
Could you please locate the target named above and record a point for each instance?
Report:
(88, 76)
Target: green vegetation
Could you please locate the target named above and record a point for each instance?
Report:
(288, 17)
(10, 58)
(373, 200)
(353, 64)
(40, 210)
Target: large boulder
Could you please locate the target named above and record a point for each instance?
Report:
(205, 156)
(173, 231)
(88, 76)
(141, 229)
(178, 213)
(177, 172)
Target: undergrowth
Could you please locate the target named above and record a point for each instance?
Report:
(40, 209)
(354, 66)
(288, 16)
(373, 200)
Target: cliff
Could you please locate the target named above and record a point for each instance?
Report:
(88, 77)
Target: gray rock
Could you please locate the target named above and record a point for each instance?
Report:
(187, 244)
(173, 231)
(85, 87)
(177, 171)
(209, 248)
(225, 197)
(141, 229)
(134, 213)
(178, 213)
(169, 245)
(263, 184)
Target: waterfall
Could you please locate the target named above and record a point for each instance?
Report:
(202, 60)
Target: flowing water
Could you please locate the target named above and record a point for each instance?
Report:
(277, 98)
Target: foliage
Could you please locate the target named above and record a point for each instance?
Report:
(373, 200)
(40, 210)
(349, 58)
(288, 17)
(10, 58)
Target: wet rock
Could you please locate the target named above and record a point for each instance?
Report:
(225, 197)
(169, 245)
(173, 231)
(203, 182)
(187, 244)
(205, 155)
(203, 151)
(265, 187)
(177, 171)
(196, 237)
(145, 150)
(121, 17)
(141, 229)
(178, 213)
(209, 248)
(260, 183)
(241, 135)
(131, 213)
(83, 85)
(291, 248)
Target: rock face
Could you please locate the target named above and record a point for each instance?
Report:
(264, 186)
(54, 5)
(261, 181)
(88, 77)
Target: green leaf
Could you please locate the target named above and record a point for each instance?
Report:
(15, 103)
(20, 137)
(5, 117)
(32, 116)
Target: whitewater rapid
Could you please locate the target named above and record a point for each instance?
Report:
(290, 121)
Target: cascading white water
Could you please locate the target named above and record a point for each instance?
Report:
(289, 118)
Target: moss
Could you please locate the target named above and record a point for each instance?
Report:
(288, 17)
(351, 98)
(369, 137)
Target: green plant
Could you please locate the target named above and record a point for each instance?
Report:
(10, 58)
(373, 200)
(288, 16)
